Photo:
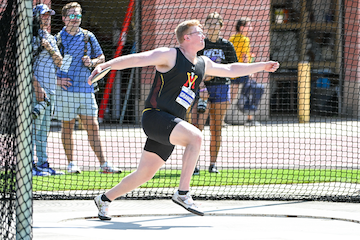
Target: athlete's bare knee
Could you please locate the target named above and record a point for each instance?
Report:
(197, 138)
(144, 174)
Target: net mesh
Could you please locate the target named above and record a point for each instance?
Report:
(8, 119)
(301, 144)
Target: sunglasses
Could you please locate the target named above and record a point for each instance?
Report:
(72, 16)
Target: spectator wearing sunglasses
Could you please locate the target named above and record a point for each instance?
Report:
(75, 95)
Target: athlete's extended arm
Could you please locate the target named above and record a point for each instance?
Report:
(238, 69)
(160, 57)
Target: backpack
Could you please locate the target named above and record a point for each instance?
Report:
(86, 40)
(250, 96)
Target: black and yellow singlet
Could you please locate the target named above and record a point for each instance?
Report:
(167, 86)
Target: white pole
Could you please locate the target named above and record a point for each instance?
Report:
(23, 130)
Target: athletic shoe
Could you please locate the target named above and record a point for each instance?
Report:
(103, 207)
(213, 169)
(225, 125)
(107, 168)
(196, 171)
(73, 168)
(38, 173)
(187, 202)
(46, 168)
(250, 123)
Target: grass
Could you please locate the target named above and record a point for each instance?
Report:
(170, 178)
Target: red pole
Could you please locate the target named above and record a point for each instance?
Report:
(118, 52)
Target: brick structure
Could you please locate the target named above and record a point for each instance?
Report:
(351, 105)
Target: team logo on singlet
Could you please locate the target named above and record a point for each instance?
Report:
(186, 96)
(191, 80)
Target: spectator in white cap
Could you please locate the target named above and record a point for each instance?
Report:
(46, 56)
(42, 9)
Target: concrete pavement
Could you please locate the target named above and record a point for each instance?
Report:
(162, 219)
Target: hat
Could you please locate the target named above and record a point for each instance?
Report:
(42, 9)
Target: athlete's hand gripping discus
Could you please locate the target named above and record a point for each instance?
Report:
(100, 75)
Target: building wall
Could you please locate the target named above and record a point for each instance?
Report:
(351, 106)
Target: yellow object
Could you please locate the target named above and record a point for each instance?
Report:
(241, 45)
(304, 85)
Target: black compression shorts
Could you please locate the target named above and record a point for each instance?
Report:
(158, 126)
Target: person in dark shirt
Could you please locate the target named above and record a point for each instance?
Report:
(219, 50)
(179, 71)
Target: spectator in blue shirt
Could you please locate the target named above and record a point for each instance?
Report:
(46, 57)
(75, 95)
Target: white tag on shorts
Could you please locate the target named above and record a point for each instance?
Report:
(67, 59)
(186, 97)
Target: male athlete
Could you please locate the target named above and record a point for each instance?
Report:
(179, 72)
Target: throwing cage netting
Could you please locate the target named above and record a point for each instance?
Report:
(304, 143)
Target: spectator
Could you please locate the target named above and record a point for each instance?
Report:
(251, 92)
(179, 72)
(218, 50)
(46, 57)
(81, 51)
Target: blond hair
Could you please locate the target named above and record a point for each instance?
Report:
(68, 6)
(182, 29)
